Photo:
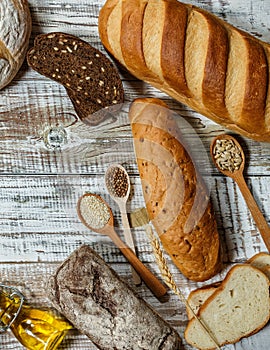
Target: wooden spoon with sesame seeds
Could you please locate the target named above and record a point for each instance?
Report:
(96, 215)
(118, 186)
(229, 158)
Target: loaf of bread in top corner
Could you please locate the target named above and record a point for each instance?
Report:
(176, 197)
(15, 30)
(195, 57)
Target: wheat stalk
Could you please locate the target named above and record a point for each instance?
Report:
(169, 280)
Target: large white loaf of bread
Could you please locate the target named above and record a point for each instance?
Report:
(195, 57)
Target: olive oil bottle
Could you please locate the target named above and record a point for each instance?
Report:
(35, 329)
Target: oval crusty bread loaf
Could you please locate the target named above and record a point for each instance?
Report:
(15, 30)
(90, 78)
(238, 308)
(176, 197)
(96, 301)
(195, 57)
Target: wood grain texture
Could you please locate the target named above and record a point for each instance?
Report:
(39, 187)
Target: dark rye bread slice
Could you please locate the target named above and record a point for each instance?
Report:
(97, 302)
(90, 78)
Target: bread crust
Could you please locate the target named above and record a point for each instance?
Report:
(175, 194)
(15, 30)
(172, 56)
(247, 112)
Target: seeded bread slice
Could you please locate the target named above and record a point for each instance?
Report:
(238, 308)
(90, 78)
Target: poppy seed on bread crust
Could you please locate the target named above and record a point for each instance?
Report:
(90, 78)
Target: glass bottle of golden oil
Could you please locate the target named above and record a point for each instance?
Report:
(35, 329)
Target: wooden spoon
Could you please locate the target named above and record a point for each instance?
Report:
(96, 215)
(237, 175)
(118, 186)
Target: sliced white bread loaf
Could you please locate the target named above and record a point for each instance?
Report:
(238, 308)
(260, 260)
(198, 296)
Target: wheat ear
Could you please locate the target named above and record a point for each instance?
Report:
(169, 280)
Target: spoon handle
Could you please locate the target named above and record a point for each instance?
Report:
(130, 242)
(254, 209)
(157, 288)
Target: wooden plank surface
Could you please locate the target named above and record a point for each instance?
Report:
(40, 185)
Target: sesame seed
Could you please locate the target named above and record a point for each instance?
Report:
(68, 84)
(90, 62)
(56, 49)
(83, 67)
(69, 49)
(101, 83)
(51, 36)
(75, 47)
(87, 78)
(64, 51)
(94, 211)
(102, 69)
(99, 101)
(78, 102)
(97, 55)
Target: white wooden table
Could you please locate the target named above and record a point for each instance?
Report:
(39, 187)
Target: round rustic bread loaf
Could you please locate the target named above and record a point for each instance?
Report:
(15, 30)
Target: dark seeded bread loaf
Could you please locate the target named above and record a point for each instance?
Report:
(90, 78)
(97, 302)
(176, 196)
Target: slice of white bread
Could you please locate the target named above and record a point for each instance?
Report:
(262, 262)
(238, 308)
(198, 296)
